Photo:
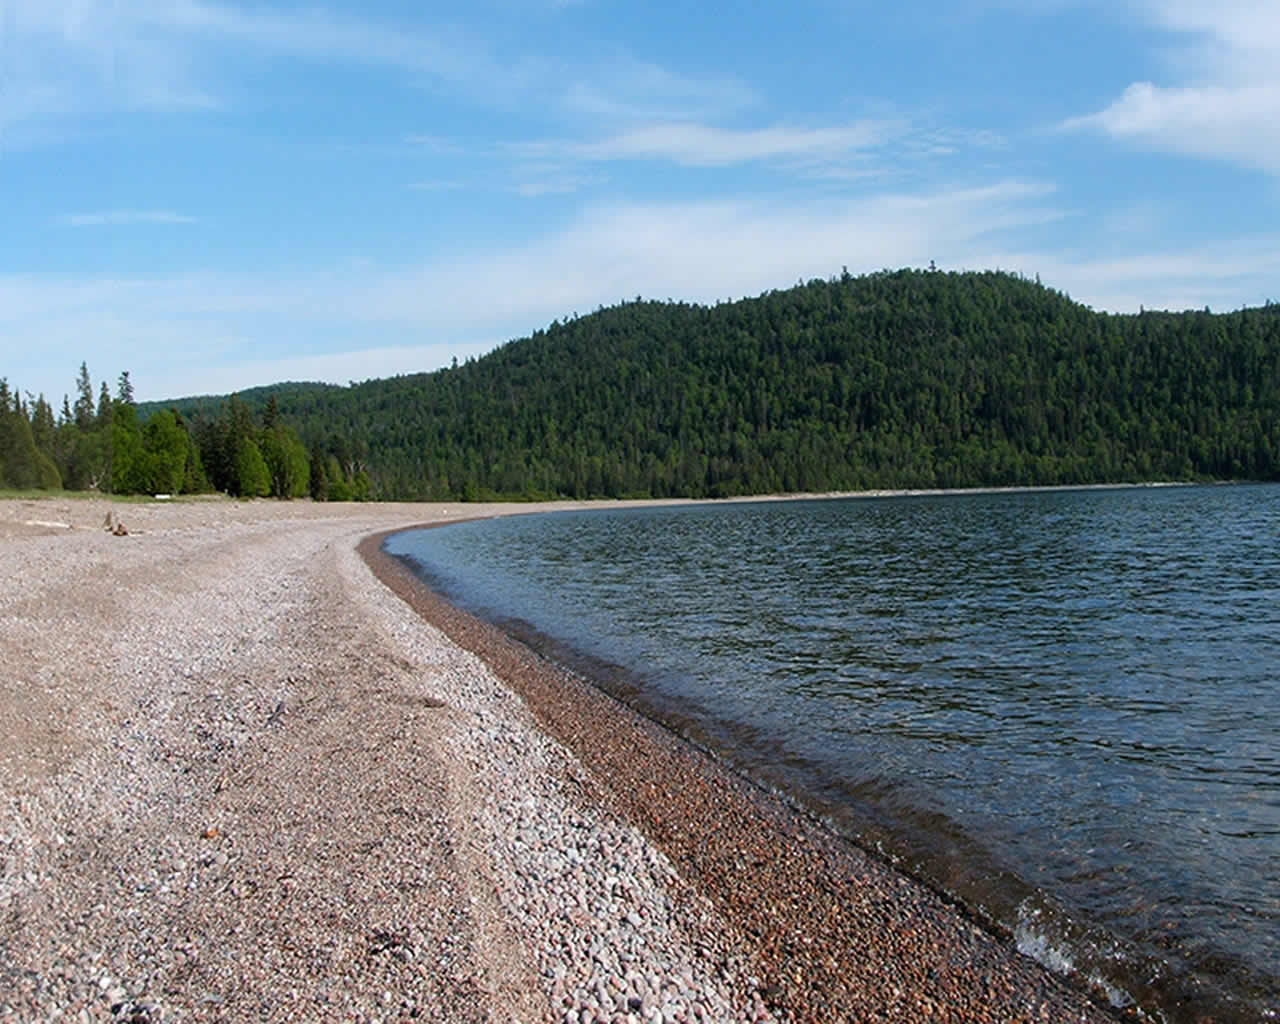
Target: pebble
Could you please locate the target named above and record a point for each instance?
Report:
(609, 927)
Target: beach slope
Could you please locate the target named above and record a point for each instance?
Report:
(242, 777)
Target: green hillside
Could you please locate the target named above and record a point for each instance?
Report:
(895, 379)
(209, 406)
(905, 379)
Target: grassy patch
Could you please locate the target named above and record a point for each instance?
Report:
(33, 494)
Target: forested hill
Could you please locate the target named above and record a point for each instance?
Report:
(905, 379)
(896, 379)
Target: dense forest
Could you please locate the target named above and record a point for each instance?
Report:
(912, 378)
(108, 447)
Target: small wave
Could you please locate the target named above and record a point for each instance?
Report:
(1040, 935)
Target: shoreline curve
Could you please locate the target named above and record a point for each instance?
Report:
(839, 934)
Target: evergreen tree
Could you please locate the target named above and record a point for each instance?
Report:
(21, 465)
(907, 378)
(43, 427)
(319, 477)
(165, 446)
(106, 409)
(129, 466)
(84, 409)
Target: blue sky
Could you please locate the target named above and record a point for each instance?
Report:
(217, 195)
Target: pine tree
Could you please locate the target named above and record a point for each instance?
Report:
(20, 463)
(84, 408)
(130, 472)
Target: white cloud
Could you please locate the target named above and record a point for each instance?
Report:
(190, 330)
(1225, 29)
(330, 368)
(209, 333)
(699, 145)
(90, 56)
(546, 166)
(1222, 275)
(316, 33)
(117, 218)
(622, 88)
(62, 59)
(1232, 123)
(1229, 102)
(555, 184)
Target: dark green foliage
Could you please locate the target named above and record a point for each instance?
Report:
(85, 455)
(252, 479)
(241, 458)
(20, 464)
(194, 480)
(896, 379)
(209, 407)
(105, 408)
(271, 414)
(104, 448)
(26, 443)
(128, 462)
(166, 448)
(43, 427)
(84, 399)
(319, 482)
(287, 463)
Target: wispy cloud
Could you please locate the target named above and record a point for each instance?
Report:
(314, 32)
(184, 55)
(1222, 274)
(436, 145)
(178, 325)
(623, 88)
(1227, 103)
(441, 185)
(332, 368)
(92, 56)
(117, 218)
(556, 184)
(560, 166)
(700, 145)
(203, 332)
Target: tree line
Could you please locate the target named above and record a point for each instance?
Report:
(902, 379)
(106, 446)
(911, 378)
(94, 444)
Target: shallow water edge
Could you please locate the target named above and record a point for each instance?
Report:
(806, 897)
(911, 837)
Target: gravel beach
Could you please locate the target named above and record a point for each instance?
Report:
(251, 770)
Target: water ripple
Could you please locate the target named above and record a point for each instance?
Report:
(1055, 704)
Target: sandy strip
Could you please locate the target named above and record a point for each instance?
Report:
(240, 779)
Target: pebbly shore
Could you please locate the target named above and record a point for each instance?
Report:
(251, 769)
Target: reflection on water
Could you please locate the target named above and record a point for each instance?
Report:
(1062, 707)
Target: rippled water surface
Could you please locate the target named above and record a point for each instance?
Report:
(1061, 707)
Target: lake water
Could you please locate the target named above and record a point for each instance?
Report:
(1062, 708)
